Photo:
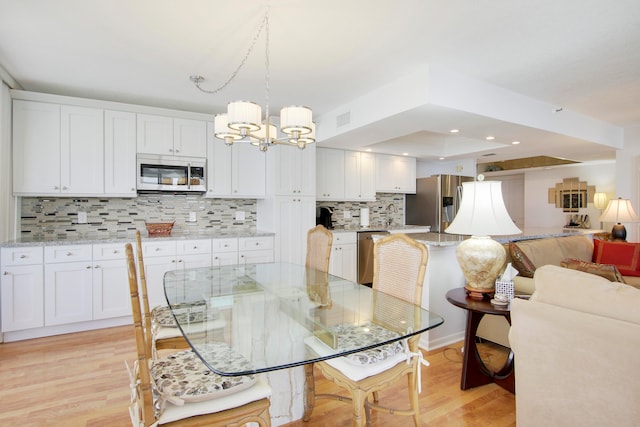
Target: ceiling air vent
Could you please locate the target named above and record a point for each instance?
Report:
(343, 119)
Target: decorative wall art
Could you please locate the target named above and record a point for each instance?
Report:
(571, 194)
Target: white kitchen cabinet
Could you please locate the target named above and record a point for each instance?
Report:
(294, 217)
(343, 259)
(111, 296)
(171, 136)
(395, 174)
(234, 171)
(293, 170)
(224, 252)
(119, 153)
(359, 176)
(330, 174)
(167, 255)
(68, 292)
(57, 150)
(253, 250)
(22, 288)
(36, 148)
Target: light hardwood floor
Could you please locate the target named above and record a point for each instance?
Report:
(80, 380)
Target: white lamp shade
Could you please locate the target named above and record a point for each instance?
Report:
(244, 114)
(619, 210)
(310, 137)
(482, 211)
(262, 132)
(222, 129)
(600, 200)
(296, 119)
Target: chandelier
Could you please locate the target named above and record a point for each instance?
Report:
(243, 120)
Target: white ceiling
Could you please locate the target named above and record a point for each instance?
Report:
(579, 55)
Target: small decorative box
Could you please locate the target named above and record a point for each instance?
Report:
(505, 287)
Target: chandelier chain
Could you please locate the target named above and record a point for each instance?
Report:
(265, 23)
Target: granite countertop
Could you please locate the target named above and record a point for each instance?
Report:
(96, 238)
(377, 227)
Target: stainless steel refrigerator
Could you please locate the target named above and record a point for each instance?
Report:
(436, 201)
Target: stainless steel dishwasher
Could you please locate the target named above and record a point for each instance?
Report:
(365, 255)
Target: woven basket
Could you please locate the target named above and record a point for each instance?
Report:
(159, 228)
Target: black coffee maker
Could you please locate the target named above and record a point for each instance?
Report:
(323, 217)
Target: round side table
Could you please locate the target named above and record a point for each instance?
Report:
(474, 371)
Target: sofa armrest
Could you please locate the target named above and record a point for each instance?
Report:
(523, 285)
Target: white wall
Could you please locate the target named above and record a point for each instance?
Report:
(628, 176)
(539, 213)
(464, 167)
(7, 201)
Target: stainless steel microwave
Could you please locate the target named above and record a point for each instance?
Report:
(168, 173)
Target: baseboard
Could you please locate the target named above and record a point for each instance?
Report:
(65, 329)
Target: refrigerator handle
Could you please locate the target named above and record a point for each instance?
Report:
(458, 197)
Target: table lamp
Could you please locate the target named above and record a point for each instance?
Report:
(619, 210)
(482, 214)
(600, 202)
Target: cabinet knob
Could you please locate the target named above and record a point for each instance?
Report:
(195, 247)
(23, 256)
(179, 260)
(173, 261)
(97, 266)
(115, 251)
(88, 267)
(69, 253)
(177, 151)
(157, 249)
(55, 187)
(6, 273)
(65, 188)
(133, 189)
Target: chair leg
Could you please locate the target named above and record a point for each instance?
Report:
(413, 397)
(358, 398)
(309, 392)
(375, 397)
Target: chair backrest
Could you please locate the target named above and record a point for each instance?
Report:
(319, 241)
(144, 387)
(399, 266)
(146, 310)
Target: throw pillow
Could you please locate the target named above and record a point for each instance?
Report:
(520, 261)
(608, 271)
(624, 255)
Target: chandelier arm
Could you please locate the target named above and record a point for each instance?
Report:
(199, 79)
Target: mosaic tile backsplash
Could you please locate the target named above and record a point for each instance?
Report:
(59, 216)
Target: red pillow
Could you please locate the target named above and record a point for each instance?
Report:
(625, 256)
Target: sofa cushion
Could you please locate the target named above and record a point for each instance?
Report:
(587, 293)
(608, 271)
(624, 255)
(527, 255)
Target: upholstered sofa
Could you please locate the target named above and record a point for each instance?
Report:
(613, 260)
(576, 343)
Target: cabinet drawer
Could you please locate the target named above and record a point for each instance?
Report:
(225, 245)
(344, 238)
(108, 251)
(70, 253)
(22, 256)
(255, 243)
(160, 248)
(189, 247)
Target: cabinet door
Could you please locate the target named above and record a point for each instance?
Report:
(349, 262)
(405, 171)
(330, 174)
(368, 176)
(119, 153)
(395, 174)
(385, 181)
(36, 148)
(155, 134)
(255, 257)
(248, 171)
(194, 261)
(189, 137)
(352, 175)
(218, 166)
(67, 293)
(295, 170)
(111, 297)
(155, 268)
(22, 296)
(294, 216)
(81, 150)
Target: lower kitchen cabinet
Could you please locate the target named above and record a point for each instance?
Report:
(22, 297)
(224, 252)
(67, 293)
(344, 256)
(254, 250)
(111, 296)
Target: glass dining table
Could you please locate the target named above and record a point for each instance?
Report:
(279, 316)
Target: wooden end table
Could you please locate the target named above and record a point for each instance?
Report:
(474, 371)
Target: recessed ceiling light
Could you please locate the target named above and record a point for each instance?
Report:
(405, 154)
(442, 158)
(515, 143)
(490, 138)
(368, 149)
(454, 131)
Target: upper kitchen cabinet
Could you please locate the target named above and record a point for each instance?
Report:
(395, 174)
(234, 171)
(292, 170)
(330, 174)
(57, 150)
(119, 153)
(171, 136)
(359, 176)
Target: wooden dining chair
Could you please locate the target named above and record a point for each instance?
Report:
(399, 269)
(319, 241)
(179, 389)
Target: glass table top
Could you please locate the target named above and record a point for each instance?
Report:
(279, 315)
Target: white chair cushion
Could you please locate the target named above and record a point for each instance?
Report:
(259, 390)
(192, 312)
(353, 371)
(183, 377)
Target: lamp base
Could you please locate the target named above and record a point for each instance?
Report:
(479, 294)
(619, 233)
(481, 260)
